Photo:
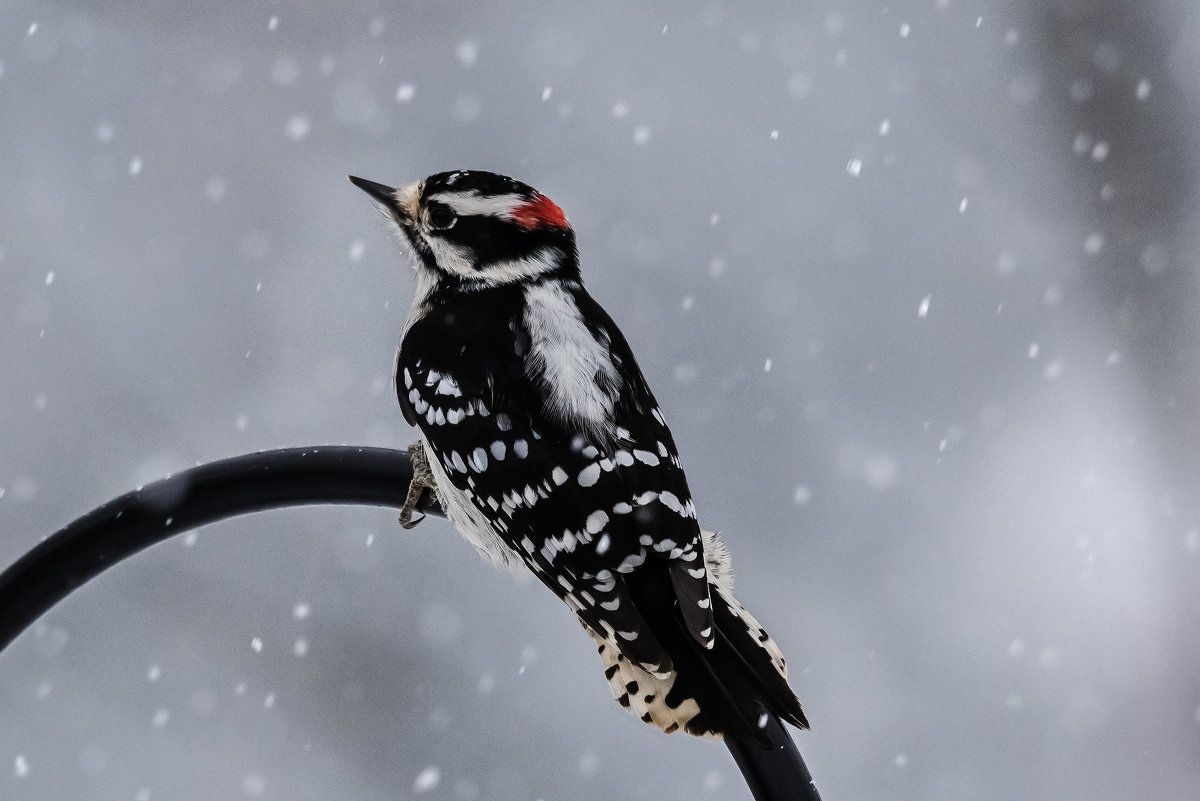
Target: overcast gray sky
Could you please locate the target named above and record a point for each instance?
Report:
(915, 285)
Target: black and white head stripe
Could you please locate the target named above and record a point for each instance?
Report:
(482, 229)
(476, 193)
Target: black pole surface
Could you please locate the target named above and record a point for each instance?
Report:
(67, 560)
(777, 773)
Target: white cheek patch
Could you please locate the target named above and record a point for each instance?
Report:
(453, 258)
(505, 272)
(460, 260)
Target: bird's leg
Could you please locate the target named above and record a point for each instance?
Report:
(422, 480)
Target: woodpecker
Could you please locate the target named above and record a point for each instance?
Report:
(548, 452)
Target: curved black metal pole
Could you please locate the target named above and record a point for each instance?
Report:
(186, 500)
(776, 773)
(269, 480)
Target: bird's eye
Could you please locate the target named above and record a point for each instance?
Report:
(441, 216)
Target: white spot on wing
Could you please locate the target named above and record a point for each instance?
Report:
(669, 500)
(646, 457)
(589, 475)
(448, 386)
(470, 520)
(631, 562)
(596, 521)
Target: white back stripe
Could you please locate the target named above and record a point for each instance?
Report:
(567, 358)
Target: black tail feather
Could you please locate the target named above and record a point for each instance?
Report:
(747, 640)
(735, 683)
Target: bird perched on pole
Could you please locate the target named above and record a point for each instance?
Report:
(549, 452)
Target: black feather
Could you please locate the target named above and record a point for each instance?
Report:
(734, 683)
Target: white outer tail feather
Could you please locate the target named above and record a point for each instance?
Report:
(621, 673)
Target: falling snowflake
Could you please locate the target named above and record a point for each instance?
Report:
(298, 128)
(428, 779)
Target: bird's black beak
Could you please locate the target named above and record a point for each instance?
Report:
(382, 193)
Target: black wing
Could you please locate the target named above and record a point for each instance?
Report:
(581, 514)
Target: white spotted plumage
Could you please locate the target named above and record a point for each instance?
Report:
(550, 452)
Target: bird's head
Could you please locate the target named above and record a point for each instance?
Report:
(479, 229)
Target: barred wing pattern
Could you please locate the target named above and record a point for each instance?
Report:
(580, 513)
(601, 515)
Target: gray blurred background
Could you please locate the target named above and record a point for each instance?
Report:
(916, 287)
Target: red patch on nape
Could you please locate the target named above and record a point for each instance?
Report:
(540, 212)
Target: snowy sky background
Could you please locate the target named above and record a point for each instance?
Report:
(915, 285)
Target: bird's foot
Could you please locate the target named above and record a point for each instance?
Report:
(422, 480)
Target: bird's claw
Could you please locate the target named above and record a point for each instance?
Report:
(422, 480)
